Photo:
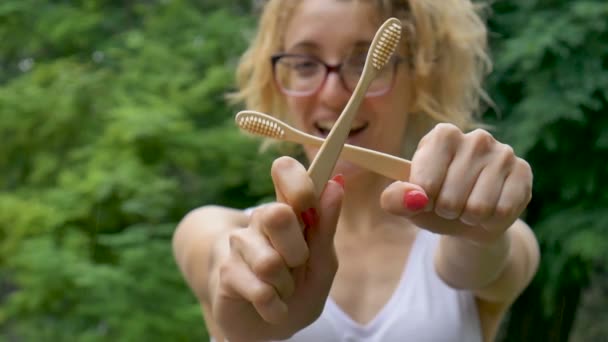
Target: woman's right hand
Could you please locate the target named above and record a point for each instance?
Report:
(272, 278)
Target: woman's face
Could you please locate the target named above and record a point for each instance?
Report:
(333, 31)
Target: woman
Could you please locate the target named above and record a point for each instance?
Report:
(438, 258)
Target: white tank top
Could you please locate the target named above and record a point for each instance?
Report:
(422, 309)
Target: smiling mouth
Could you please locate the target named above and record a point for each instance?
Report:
(324, 127)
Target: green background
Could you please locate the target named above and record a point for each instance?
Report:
(113, 125)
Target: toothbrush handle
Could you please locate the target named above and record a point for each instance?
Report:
(322, 166)
(381, 163)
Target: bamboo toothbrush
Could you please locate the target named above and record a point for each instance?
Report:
(380, 51)
(267, 126)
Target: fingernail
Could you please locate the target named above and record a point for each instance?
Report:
(309, 217)
(339, 179)
(415, 200)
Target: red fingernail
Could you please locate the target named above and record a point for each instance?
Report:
(339, 179)
(415, 200)
(309, 217)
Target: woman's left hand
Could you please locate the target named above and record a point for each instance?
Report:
(467, 185)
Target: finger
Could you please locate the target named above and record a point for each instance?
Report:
(403, 199)
(321, 239)
(238, 281)
(470, 159)
(432, 159)
(293, 186)
(263, 261)
(515, 196)
(394, 201)
(487, 190)
(281, 227)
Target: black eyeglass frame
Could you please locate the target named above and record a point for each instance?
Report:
(274, 59)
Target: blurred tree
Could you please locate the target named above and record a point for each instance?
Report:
(113, 126)
(592, 315)
(551, 86)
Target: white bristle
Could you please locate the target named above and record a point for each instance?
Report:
(261, 127)
(387, 43)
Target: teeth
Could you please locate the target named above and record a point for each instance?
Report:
(328, 124)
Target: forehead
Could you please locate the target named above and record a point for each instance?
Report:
(330, 25)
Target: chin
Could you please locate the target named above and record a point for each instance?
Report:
(348, 169)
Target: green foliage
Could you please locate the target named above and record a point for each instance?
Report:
(139, 298)
(551, 85)
(113, 125)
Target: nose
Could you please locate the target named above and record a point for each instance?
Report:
(333, 94)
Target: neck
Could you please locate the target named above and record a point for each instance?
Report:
(361, 212)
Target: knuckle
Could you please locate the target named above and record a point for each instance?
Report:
(503, 211)
(481, 140)
(506, 155)
(262, 294)
(279, 214)
(236, 239)
(276, 217)
(447, 206)
(444, 138)
(507, 150)
(267, 264)
(449, 132)
(478, 211)
(441, 131)
(482, 136)
(258, 216)
(447, 129)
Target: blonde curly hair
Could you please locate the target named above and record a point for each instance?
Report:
(447, 47)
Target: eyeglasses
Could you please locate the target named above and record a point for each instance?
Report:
(303, 75)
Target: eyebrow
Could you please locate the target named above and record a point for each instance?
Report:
(309, 45)
(304, 45)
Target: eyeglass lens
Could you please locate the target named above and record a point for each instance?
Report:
(303, 75)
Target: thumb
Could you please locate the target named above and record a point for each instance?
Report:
(411, 201)
(320, 237)
(405, 199)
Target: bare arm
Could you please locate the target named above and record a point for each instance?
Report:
(266, 275)
(471, 189)
(496, 273)
(193, 241)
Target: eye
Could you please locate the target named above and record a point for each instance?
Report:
(305, 67)
(355, 63)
